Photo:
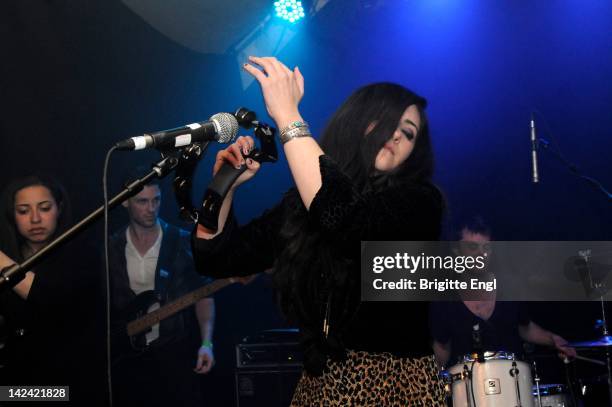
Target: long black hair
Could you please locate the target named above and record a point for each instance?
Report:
(381, 104)
(303, 285)
(11, 241)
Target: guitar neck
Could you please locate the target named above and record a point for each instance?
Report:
(142, 324)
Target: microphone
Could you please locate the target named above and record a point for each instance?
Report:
(246, 118)
(222, 127)
(534, 151)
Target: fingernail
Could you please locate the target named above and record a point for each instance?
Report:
(249, 161)
(238, 167)
(245, 149)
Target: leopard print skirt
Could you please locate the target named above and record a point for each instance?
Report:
(373, 379)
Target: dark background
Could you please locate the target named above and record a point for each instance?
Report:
(77, 76)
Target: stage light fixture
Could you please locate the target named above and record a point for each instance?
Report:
(289, 10)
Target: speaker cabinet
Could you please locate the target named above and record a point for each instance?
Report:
(269, 387)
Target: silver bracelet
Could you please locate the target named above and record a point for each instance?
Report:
(288, 135)
(293, 125)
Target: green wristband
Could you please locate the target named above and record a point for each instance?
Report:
(207, 344)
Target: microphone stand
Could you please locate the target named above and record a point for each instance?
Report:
(573, 169)
(11, 275)
(598, 286)
(598, 186)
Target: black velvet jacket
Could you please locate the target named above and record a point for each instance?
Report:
(326, 270)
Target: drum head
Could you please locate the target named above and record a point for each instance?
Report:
(489, 355)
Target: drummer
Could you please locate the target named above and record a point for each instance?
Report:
(501, 325)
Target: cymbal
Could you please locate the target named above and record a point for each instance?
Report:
(576, 269)
(603, 342)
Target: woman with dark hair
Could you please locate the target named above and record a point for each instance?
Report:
(369, 179)
(50, 311)
(16, 238)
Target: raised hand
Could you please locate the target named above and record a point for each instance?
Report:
(282, 88)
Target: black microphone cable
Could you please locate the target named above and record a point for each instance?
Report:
(559, 155)
(107, 276)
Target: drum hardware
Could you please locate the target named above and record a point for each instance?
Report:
(571, 392)
(467, 378)
(447, 380)
(552, 395)
(592, 274)
(514, 372)
(536, 379)
(594, 390)
(580, 387)
(500, 381)
(570, 380)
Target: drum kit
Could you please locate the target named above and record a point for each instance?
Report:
(499, 379)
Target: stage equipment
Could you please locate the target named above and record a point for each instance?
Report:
(268, 366)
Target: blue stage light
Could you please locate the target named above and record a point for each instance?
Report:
(289, 10)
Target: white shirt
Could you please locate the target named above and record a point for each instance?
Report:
(141, 272)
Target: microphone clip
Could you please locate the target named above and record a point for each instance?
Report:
(265, 133)
(188, 158)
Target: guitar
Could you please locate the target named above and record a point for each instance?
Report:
(128, 338)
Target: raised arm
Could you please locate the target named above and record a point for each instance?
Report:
(283, 89)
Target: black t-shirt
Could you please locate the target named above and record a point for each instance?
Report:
(453, 321)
